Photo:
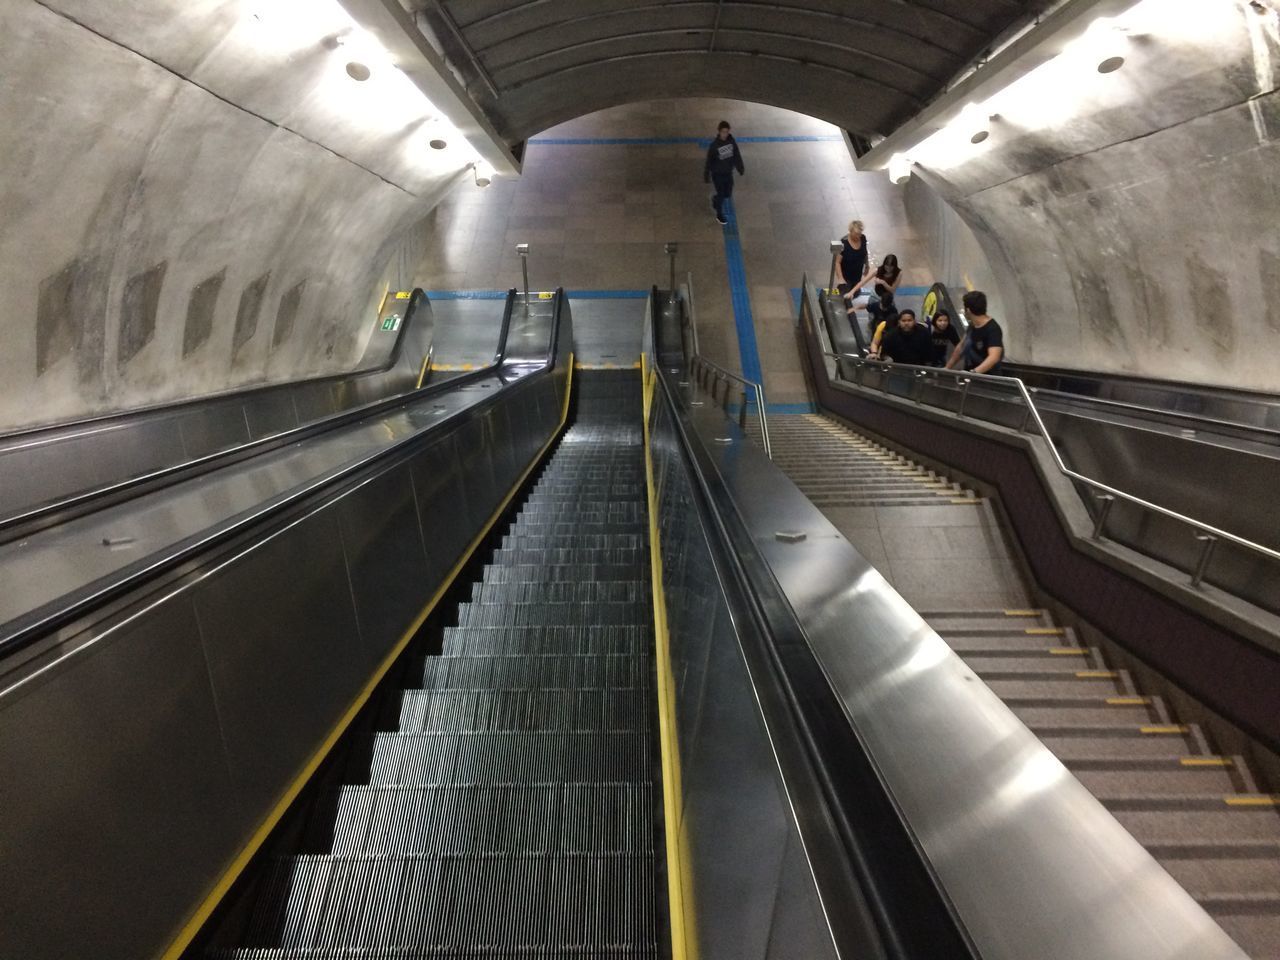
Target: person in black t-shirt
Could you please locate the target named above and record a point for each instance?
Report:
(908, 342)
(983, 346)
(945, 338)
(723, 157)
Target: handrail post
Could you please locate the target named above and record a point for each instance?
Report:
(523, 250)
(921, 375)
(764, 421)
(742, 411)
(836, 247)
(670, 248)
(858, 367)
(1105, 502)
(1207, 542)
(964, 395)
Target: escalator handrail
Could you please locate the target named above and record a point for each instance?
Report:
(963, 380)
(19, 525)
(29, 628)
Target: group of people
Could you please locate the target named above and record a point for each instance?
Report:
(901, 336)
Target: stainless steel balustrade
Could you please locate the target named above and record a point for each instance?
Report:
(147, 746)
(711, 375)
(911, 382)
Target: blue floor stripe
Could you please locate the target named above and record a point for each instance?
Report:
(743, 320)
(703, 142)
(502, 294)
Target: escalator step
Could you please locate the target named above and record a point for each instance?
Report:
(630, 640)
(525, 672)
(558, 572)
(571, 555)
(563, 592)
(460, 906)
(507, 757)
(553, 614)
(460, 819)
(579, 711)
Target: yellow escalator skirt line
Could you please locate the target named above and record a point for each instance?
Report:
(1022, 613)
(1161, 728)
(679, 890)
(1068, 652)
(1045, 632)
(1206, 761)
(219, 890)
(1253, 800)
(1128, 701)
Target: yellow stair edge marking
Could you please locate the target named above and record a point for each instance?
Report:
(1023, 613)
(1128, 701)
(1068, 651)
(1045, 632)
(1253, 800)
(220, 888)
(973, 501)
(1206, 762)
(1156, 729)
(1097, 675)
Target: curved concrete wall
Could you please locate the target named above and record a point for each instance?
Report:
(1139, 232)
(193, 201)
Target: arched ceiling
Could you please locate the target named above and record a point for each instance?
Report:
(865, 65)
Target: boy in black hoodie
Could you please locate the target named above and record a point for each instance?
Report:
(723, 156)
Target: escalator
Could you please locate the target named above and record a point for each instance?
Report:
(509, 809)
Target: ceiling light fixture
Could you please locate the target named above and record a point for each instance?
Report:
(899, 168)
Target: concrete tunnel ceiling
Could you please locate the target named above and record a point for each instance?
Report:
(865, 65)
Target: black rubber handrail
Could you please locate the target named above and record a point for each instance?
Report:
(27, 629)
(20, 525)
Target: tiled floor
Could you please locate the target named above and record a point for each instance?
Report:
(596, 216)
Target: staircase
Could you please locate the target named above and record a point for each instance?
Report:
(1199, 813)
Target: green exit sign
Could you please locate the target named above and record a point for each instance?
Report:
(392, 322)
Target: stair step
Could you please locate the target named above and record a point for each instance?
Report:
(1070, 710)
(1055, 685)
(1172, 778)
(1154, 817)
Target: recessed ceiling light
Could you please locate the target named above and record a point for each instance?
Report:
(1111, 65)
(438, 144)
(358, 71)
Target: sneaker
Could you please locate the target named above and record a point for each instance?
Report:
(721, 220)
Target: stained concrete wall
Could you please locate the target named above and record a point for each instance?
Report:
(1137, 233)
(190, 204)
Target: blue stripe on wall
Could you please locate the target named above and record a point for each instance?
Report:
(743, 320)
(703, 142)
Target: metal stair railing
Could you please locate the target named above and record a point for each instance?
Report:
(709, 376)
(1105, 495)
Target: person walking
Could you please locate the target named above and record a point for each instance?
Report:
(723, 157)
